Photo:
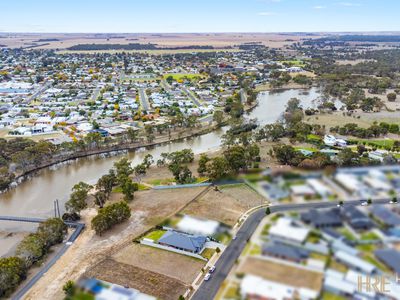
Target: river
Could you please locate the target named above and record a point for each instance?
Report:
(34, 197)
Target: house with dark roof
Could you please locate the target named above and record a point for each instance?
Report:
(390, 258)
(386, 216)
(286, 252)
(322, 218)
(183, 241)
(357, 219)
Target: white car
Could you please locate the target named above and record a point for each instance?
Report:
(365, 203)
(212, 269)
(207, 277)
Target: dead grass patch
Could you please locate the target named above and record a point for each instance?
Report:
(283, 273)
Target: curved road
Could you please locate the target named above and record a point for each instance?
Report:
(209, 289)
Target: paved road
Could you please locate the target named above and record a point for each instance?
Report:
(95, 94)
(209, 289)
(38, 92)
(28, 285)
(190, 95)
(243, 96)
(143, 100)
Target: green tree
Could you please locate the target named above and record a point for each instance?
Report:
(31, 249)
(204, 159)
(218, 117)
(77, 200)
(52, 231)
(123, 169)
(100, 198)
(110, 215)
(236, 158)
(391, 97)
(69, 288)
(12, 272)
(129, 188)
(218, 168)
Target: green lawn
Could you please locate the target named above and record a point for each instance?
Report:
(208, 253)
(378, 143)
(330, 296)
(266, 228)
(178, 76)
(318, 256)
(347, 234)
(162, 181)
(369, 236)
(367, 248)
(155, 235)
(255, 249)
(294, 62)
(371, 259)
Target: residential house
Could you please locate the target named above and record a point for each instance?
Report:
(286, 229)
(390, 257)
(355, 262)
(198, 226)
(182, 241)
(286, 252)
(356, 219)
(322, 218)
(386, 216)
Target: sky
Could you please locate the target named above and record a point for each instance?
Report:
(198, 15)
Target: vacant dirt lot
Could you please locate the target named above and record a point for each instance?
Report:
(222, 206)
(161, 262)
(148, 209)
(282, 273)
(160, 286)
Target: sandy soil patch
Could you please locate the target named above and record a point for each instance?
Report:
(161, 286)
(9, 241)
(160, 261)
(282, 273)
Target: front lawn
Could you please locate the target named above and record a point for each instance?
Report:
(155, 235)
(368, 236)
(208, 253)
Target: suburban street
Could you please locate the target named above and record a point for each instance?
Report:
(209, 289)
(190, 95)
(143, 100)
(37, 93)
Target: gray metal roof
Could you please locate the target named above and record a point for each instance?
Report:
(387, 216)
(183, 241)
(389, 257)
(290, 252)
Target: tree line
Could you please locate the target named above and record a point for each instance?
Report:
(31, 250)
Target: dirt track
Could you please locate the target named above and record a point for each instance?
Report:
(148, 209)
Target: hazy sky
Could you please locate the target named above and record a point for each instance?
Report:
(198, 15)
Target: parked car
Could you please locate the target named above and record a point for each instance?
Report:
(207, 277)
(212, 269)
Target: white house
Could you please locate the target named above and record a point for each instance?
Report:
(197, 226)
(257, 287)
(286, 230)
